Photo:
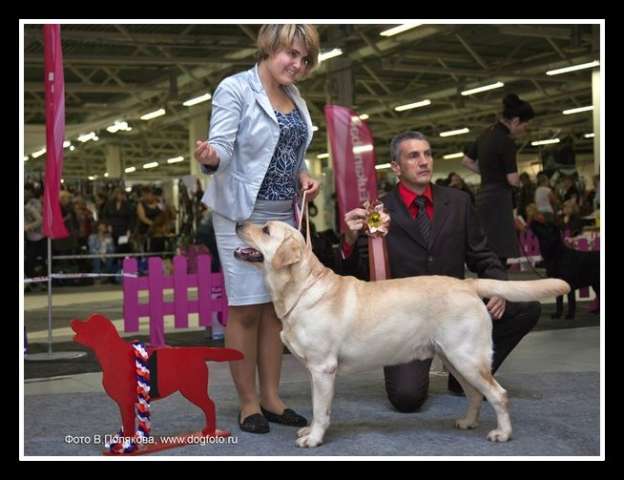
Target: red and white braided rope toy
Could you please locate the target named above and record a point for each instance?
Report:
(142, 405)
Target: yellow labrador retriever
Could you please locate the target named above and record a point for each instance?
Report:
(336, 324)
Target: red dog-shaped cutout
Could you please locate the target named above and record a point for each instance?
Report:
(176, 368)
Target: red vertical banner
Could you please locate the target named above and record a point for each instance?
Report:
(353, 157)
(53, 225)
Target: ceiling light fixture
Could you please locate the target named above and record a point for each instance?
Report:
(399, 29)
(156, 113)
(196, 100)
(483, 89)
(409, 106)
(573, 68)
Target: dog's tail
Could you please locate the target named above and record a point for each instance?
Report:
(220, 354)
(520, 291)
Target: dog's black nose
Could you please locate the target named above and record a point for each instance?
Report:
(239, 226)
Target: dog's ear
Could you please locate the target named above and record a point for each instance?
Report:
(289, 252)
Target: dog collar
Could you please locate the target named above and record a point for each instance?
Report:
(303, 290)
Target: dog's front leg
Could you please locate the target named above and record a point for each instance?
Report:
(323, 379)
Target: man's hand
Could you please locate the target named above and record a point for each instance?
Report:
(496, 307)
(205, 154)
(355, 220)
(310, 186)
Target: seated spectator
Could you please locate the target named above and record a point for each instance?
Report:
(101, 243)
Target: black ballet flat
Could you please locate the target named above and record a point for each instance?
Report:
(254, 423)
(289, 418)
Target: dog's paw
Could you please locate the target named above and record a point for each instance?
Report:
(498, 436)
(465, 424)
(303, 431)
(309, 441)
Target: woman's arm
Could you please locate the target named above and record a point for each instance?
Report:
(227, 107)
(470, 164)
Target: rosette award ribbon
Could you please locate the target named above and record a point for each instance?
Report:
(376, 227)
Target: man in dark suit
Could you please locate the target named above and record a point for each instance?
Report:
(434, 230)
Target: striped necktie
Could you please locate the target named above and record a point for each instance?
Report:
(422, 220)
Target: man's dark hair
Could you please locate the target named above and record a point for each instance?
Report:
(395, 144)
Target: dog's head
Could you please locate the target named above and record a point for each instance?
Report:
(93, 331)
(274, 245)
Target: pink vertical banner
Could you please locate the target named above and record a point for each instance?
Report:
(53, 225)
(353, 157)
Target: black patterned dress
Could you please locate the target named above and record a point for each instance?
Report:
(280, 180)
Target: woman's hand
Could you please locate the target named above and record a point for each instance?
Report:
(205, 154)
(310, 186)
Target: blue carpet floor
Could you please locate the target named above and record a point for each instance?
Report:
(553, 414)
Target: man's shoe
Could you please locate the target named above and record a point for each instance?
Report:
(254, 423)
(289, 417)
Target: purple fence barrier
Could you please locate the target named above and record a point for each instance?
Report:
(529, 251)
(210, 295)
(529, 243)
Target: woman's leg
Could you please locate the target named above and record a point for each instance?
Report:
(270, 360)
(241, 334)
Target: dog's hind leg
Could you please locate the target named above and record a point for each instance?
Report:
(323, 378)
(477, 373)
(471, 419)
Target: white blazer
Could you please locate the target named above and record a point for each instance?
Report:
(244, 132)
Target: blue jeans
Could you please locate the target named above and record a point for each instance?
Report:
(97, 265)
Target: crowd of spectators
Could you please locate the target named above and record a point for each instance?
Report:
(109, 221)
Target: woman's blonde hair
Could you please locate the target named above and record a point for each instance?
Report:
(271, 38)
